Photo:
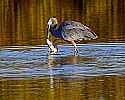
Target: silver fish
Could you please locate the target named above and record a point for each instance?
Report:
(51, 46)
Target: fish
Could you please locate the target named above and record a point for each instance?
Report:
(51, 46)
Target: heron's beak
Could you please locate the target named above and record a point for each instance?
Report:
(48, 33)
(49, 25)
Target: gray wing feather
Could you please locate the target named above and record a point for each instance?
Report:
(77, 31)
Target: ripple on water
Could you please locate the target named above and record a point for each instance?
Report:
(34, 61)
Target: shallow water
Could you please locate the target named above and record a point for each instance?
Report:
(95, 73)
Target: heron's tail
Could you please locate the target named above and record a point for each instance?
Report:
(89, 35)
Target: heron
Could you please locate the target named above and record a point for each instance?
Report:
(70, 31)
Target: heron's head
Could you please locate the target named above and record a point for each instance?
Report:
(52, 22)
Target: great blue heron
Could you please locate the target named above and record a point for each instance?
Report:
(70, 31)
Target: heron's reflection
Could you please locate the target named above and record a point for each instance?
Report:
(69, 59)
(51, 76)
(54, 60)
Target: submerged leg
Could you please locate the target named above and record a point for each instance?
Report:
(75, 47)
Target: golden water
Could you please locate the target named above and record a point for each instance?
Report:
(84, 88)
(24, 22)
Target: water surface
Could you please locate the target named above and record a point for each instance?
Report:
(30, 72)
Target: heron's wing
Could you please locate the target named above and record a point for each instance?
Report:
(77, 31)
(74, 24)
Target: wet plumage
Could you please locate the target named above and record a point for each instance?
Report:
(70, 31)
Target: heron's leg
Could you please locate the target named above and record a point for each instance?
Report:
(75, 47)
(49, 50)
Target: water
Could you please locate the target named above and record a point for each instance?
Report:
(24, 22)
(30, 72)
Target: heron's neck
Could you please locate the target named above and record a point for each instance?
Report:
(56, 31)
(53, 28)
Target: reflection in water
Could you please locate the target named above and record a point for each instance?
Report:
(69, 59)
(91, 88)
(92, 59)
(97, 73)
(51, 76)
(23, 22)
(58, 87)
(29, 74)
